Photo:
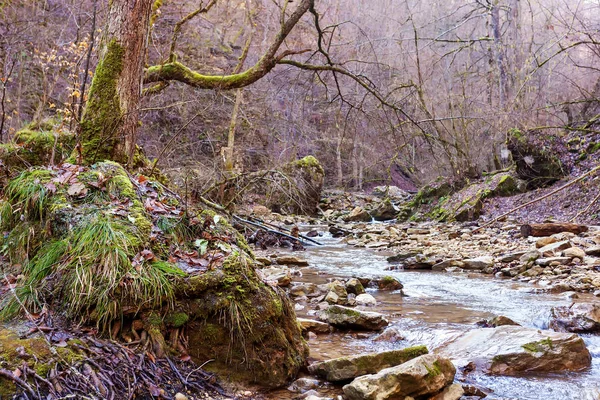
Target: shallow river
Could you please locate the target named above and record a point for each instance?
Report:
(435, 307)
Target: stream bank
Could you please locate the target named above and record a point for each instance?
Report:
(436, 307)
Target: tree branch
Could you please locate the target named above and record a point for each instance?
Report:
(176, 71)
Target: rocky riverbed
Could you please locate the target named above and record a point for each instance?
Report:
(482, 300)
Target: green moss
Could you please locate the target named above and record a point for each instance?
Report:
(177, 320)
(541, 346)
(309, 162)
(592, 148)
(434, 369)
(103, 114)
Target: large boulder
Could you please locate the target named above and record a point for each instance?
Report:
(535, 164)
(358, 214)
(422, 376)
(510, 350)
(346, 368)
(384, 211)
(350, 318)
(467, 203)
(578, 317)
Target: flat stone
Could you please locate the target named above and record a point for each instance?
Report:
(349, 318)
(511, 256)
(553, 248)
(311, 325)
(442, 266)
(593, 251)
(511, 350)
(387, 283)
(419, 377)
(545, 241)
(346, 368)
(418, 231)
(544, 262)
(291, 260)
(390, 335)
(478, 263)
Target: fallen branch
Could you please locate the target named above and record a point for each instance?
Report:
(574, 181)
(260, 226)
(10, 376)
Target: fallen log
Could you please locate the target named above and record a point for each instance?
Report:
(548, 229)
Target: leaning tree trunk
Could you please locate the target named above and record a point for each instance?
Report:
(110, 120)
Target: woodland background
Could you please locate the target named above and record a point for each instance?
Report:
(452, 78)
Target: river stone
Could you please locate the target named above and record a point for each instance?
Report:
(544, 262)
(418, 231)
(358, 214)
(354, 286)
(390, 335)
(302, 385)
(291, 260)
(442, 266)
(387, 283)
(421, 376)
(545, 241)
(282, 276)
(345, 317)
(311, 325)
(510, 350)
(478, 263)
(593, 251)
(579, 317)
(365, 299)
(346, 368)
(574, 252)
(500, 320)
(530, 256)
(452, 392)
(384, 211)
(553, 248)
(511, 256)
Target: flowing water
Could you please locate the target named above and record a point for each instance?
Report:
(439, 306)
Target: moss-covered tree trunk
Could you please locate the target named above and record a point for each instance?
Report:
(110, 121)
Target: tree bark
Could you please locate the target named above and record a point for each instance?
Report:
(110, 121)
(549, 229)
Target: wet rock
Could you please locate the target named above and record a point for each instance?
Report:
(472, 390)
(313, 233)
(291, 260)
(421, 376)
(544, 262)
(387, 283)
(358, 214)
(452, 392)
(510, 350)
(305, 289)
(264, 261)
(390, 335)
(511, 257)
(579, 317)
(478, 263)
(354, 286)
(393, 192)
(500, 321)
(302, 385)
(444, 265)
(311, 325)
(273, 274)
(346, 368)
(348, 318)
(337, 293)
(365, 299)
(384, 211)
(574, 252)
(401, 257)
(418, 262)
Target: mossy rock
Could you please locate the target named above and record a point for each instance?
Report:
(86, 237)
(467, 203)
(35, 145)
(246, 327)
(34, 350)
(534, 164)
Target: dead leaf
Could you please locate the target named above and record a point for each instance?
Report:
(77, 189)
(17, 373)
(185, 357)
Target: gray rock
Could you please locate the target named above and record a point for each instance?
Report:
(530, 256)
(354, 286)
(553, 248)
(349, 318)
(421, 376)
(358, 214)
(553, 260)
(511, 256)
(593, 251)
(311, 325)
(365, 299)
(442, 266)
(302, 385)
(387, 283)
(452, 392)
(478, 263)
(346, 368)
(390, 335)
